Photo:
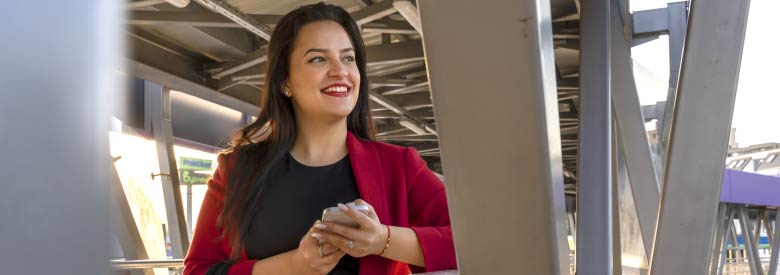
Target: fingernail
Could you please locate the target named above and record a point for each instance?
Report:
(343, 207)
(320, 226)
(351, 204)
(316, 235)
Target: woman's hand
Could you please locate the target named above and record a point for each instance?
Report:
(308, 254)
(369, 239)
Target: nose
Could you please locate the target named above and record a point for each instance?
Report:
(338, 70)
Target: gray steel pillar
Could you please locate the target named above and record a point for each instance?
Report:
(775, 256)
(58, 75)
(169, 176)
(677, 14)
(632, 135)
(722, 228)
(617, 260)
(699, 137)
(728, 232)
(514, 220)
(750, 242)
(594, 187)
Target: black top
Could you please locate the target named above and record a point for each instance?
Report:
(293, 201)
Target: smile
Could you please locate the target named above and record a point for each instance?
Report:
(337, 90)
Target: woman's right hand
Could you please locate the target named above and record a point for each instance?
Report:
(308, 254)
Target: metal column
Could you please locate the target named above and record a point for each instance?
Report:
(594, 187)
(632, 135)
(506, 89)
(775, 256)
(677, 19)
(58, 76)
(699, 137)
(722, 228)
(729, 232)
(617, 260)
(750, 242)
(169, 176)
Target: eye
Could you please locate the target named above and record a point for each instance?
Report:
(317, 59)
(348, 58)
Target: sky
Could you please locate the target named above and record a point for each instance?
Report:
(757, 106)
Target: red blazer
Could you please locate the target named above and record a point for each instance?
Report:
(393, 179)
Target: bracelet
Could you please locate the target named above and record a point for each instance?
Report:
(387, 245)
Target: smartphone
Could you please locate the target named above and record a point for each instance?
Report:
(335, 215)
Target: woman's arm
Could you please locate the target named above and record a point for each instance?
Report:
(428, 215)
(404, 247)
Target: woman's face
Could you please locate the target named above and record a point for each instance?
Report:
(324, 78)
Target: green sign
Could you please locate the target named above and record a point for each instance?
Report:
(194, 170)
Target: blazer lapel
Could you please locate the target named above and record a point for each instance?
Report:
(369, 178)
(368, 174)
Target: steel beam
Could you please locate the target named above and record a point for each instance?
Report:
(169, 177)
(205, 23)
(394, 68)
(255, 58)
(722, 228)
(677, 16)
(519, 169)
(594, 187)
(632, 134)
(650, 21)
(193, 19)
(389, 27)
(374, 12)
(699, 137)
(728, 232)
(617, 255)
(144, 3)
(401, 111)
(189, 19)
(237, 40)
(394, 53)
(750, 242)
(235, 15)
(767, 226)
(775, 251)
(414, 88)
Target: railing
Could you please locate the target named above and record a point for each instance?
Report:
(142, 264)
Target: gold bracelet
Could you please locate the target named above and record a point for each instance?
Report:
(387, 245)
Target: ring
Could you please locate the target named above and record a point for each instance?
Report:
(350, 245)
(320, 251)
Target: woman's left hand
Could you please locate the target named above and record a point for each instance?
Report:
(369, 239)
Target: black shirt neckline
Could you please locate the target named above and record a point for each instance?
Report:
(298, 163)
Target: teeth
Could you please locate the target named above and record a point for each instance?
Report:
(336, 89)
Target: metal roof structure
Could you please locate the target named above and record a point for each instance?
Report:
(215, 50)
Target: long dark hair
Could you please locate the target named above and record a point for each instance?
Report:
(261, 146)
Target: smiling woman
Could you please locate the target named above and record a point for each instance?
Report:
(312, 147)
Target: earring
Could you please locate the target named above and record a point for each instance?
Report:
(286, 92)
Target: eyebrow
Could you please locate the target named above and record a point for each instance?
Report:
(326, 51)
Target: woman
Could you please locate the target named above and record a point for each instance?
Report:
(310, 148)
